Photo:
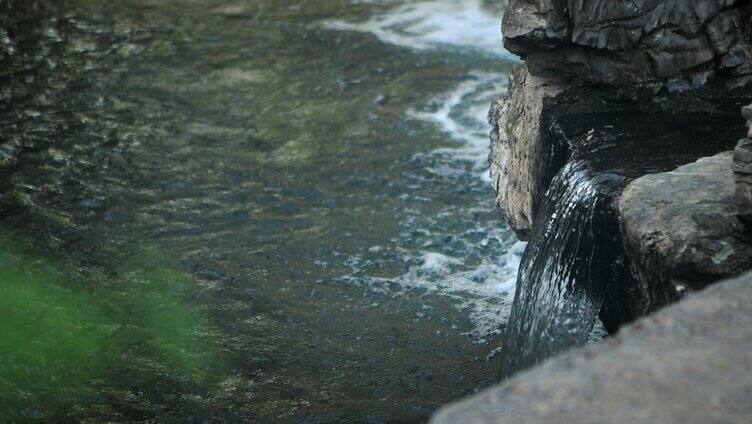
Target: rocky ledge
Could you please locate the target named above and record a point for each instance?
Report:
(743, 172)
(654, 62)
(682, 231)
(650, 91)
(614, 41)
(687, 364)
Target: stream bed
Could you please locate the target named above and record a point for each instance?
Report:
(248, 211)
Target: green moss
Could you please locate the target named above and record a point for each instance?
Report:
(157, 297)
(64, 336)
(53, 338)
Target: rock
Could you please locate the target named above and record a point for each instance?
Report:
(687, 364)
(667, 64)
(521, 157)
(636, 41)
(743, 172)
(537, 121)
(681, 231)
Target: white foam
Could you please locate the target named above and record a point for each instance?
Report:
(484, 291)
(461, 115)
(438, 264)
(484, 285)
(435, 24)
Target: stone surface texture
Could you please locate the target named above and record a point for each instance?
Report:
(681, 231)
(627, 41)
(529, 140)
(743, 172)
(688, 363)
(520, 157)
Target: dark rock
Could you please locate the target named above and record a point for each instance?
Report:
(743, 172)
(681, 231)
(686, 364)
(636, 41)
(256, 143)
(536, 123)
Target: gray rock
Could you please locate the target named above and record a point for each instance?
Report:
(534, 124)
(689, 363)
(743, 172)
(520, 157)
(629, 41)
(681, 231)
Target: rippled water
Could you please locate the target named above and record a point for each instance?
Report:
(248, 210)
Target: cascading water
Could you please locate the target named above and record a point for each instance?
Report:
(574, 256)
(575, 268)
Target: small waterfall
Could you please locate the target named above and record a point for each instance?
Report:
(573, 258)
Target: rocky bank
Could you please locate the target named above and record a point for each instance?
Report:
(686, 364)
(590, 63)
(651, 91)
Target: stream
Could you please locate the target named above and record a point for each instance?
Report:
(249, 211)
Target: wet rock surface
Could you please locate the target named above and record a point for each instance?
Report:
(615, 147)
(541, 122)
(682, 365)
(633, 90)
(682, 231)
(743, 172)
(616, 41)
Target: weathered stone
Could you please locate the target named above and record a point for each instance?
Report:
(681, 231)
(519, 154)
(743, 172)
(535, 124)
(687, 364)
(619, 41)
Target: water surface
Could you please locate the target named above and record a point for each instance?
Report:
(249, 210)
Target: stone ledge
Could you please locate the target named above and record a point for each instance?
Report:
(681, 231)
(615, 41)
(689, 363)
(533, 123)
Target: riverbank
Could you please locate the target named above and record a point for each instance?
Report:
(648, 98)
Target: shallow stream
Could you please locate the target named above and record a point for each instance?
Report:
(259, 210)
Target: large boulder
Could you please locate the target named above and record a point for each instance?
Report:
(743, 172)
(631, 41)
(682, 232)
(687, 364)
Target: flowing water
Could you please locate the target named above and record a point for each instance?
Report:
(574, 258)
(575, 269)
(259, 210)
